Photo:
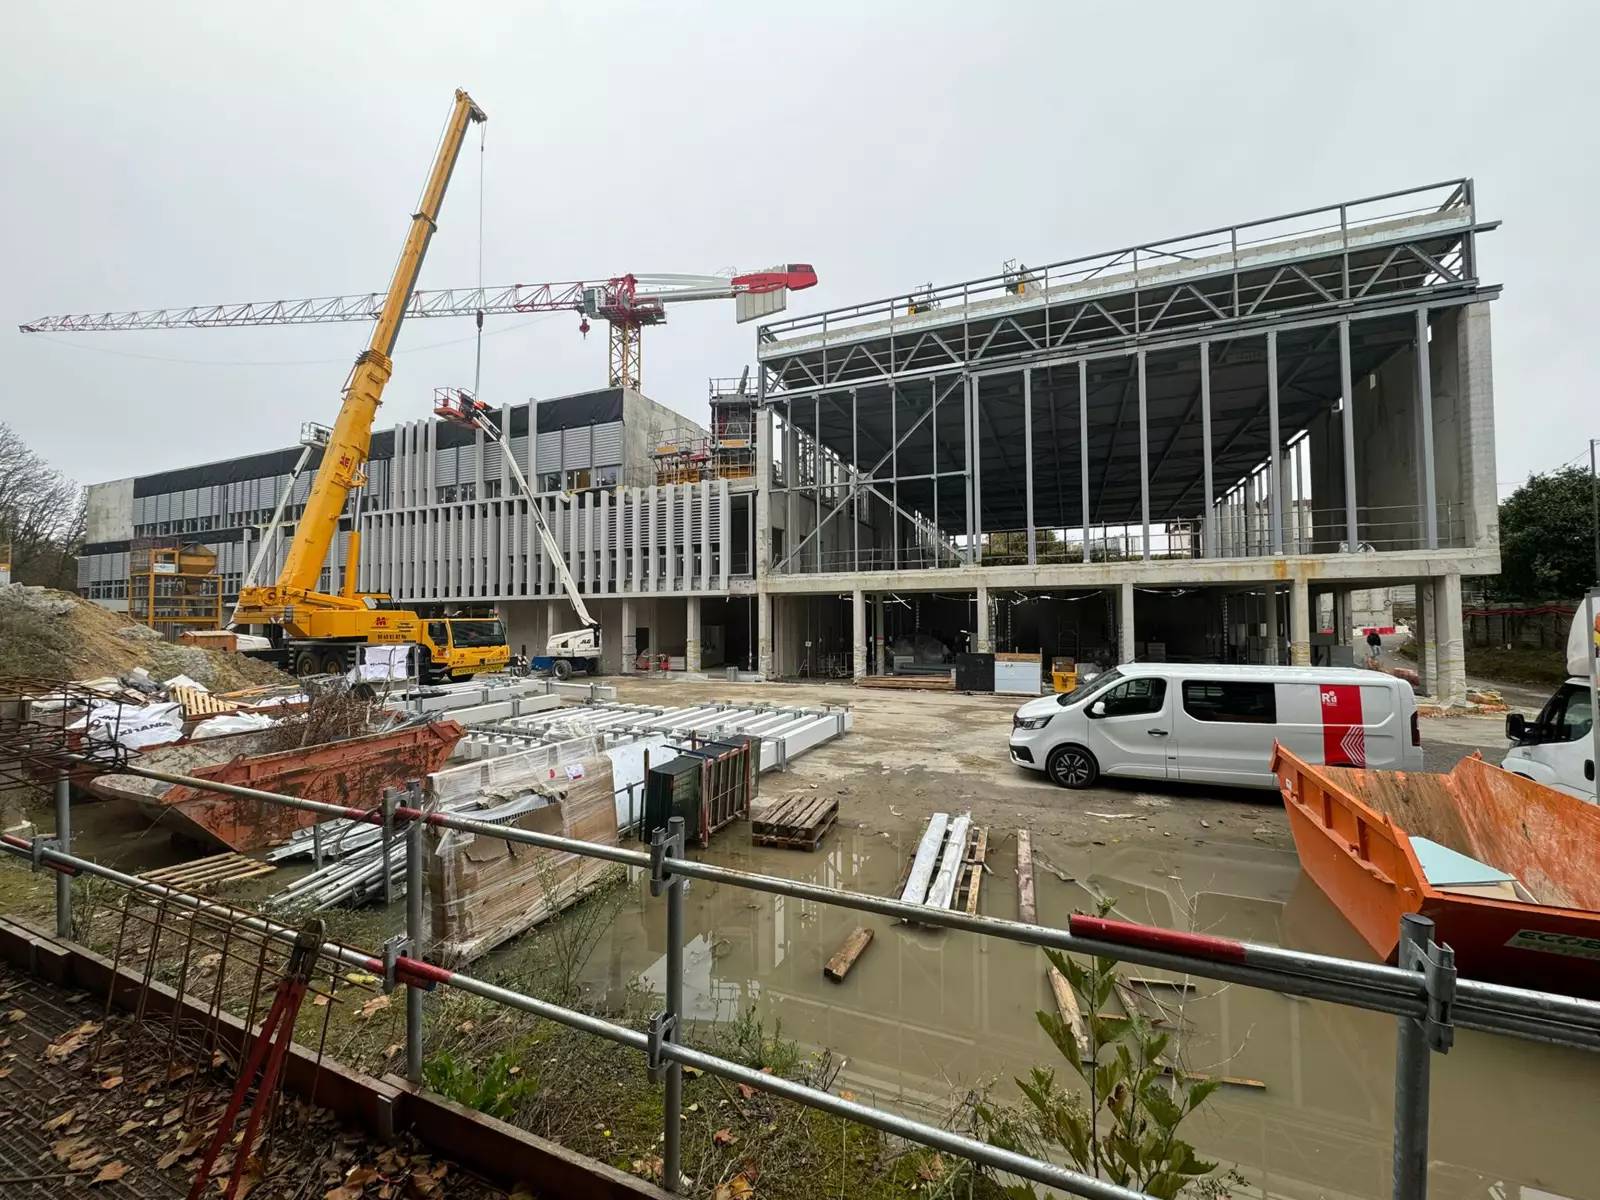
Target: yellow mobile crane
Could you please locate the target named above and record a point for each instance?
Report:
(319, 631)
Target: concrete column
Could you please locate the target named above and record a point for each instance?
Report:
(630, 646)
(1299, 622)
(877, 636)
(691, 640)
(858, 634)
(1274, 654)
(1423, 636)
(1125, 638)
(1451, 645)
(764, 634)
(984, 643)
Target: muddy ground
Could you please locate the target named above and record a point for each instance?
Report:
(914, 753)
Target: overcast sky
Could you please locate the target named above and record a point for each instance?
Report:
(178, 154)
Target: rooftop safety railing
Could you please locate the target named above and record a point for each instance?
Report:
(1423, 992)
(1229, 246)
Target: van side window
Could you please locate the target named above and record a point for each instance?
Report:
(1567, 716)
(1136, 696)
(438, 634)
(1246, 703)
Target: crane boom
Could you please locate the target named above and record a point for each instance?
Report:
(636, 295)
(351, 439)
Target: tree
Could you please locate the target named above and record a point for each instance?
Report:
(1547, 538)
(41, 516)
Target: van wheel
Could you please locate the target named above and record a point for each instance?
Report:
(1072, 767)
(563, 668)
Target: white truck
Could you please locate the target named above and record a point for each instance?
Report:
(575, 649)
(1557, 748)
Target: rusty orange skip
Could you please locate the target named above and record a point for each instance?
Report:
(1508, 869)
(353, 772)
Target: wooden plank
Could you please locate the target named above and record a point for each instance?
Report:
(978, 845)
(1027, 912)
(974, 883)
(1230, 1080)
(1067, 1007)
(943, 888)
(845, 957)
(915, 890)
(1148, 981)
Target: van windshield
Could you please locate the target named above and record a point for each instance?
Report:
(1084, 691)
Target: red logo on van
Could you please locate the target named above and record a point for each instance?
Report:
(1344, 733)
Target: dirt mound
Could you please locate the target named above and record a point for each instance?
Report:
(57, 635)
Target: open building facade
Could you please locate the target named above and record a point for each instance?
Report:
(1202, 449)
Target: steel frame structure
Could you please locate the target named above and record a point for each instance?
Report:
(852, 387)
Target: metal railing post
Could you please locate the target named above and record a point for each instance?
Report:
(64, 843)
(414, 949)
(1417, 1038)
(664, 1027)
(387, 838)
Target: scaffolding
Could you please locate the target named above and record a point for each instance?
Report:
(174, 587)
(733, 429)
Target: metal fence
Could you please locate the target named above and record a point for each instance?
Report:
(1422, 992)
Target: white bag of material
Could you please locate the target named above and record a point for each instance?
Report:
(1578, 645)
(274, 701)
(185, 682)
(132, 725)
(385, 662)
(239, 722)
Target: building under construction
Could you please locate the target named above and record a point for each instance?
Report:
(1196, 448)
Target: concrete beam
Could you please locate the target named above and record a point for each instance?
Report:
(1380, 568)
(764, 634)
(881, 664)
(630, 639)
(984, 642)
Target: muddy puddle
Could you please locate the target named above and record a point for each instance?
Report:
(926, 1015)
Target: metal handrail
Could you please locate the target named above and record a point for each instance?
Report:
(1410, 992)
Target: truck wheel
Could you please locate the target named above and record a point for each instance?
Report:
(305, 661)
(333, 663)
(563, 668)
(1072, 767)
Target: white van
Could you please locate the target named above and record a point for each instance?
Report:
(1217, 724)
(1556, 748)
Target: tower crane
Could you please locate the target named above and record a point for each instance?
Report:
(626, 302)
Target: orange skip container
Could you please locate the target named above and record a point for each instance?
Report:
(1534, 921)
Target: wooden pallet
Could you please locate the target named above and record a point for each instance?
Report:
(202, 704)
(913, 683)
(971, 880)
(203, 874)
(796, 823)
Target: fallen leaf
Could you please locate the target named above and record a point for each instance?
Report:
(724, 1137)
(68, 1148)
(15, 1015)
(171, 1115)
(735, 1189)
(114, 1081)
(392, 1049)
(466, 1027)
(847, 1094)
(360, 977)
(440, 1171)
(423, 1184)
(359, 1177)
(110, 1173)
(71, 1042)
(376, 1004)
(60, 1121)
(319, 1001)
(128, 1127)
(341, 1193)
(650, 1167)
(85, 1160)
(931, 1169)
(5, 1072)
(746, 1092)
(251, 1176)
(206, 961)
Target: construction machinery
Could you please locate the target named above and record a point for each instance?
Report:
(574, 650)
(626, 302)
(316, 631)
